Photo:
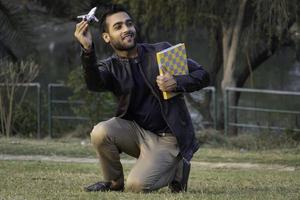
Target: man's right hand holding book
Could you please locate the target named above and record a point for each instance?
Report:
(166, 82)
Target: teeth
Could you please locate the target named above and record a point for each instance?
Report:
(127, 36)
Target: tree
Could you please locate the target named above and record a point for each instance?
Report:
(16, 31)
(20, 19)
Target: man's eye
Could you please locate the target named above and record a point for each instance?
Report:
(117, 27)
(129, 23)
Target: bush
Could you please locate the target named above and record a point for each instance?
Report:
(25, 120)
(98, 106)
(12, 74)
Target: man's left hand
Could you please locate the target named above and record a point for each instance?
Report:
(166, 82)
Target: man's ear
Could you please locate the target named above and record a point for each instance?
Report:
(106, 37)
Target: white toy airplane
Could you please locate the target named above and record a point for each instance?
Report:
(90, 16)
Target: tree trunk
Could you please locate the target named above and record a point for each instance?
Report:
(231, 38)
(217, 64)
(217, 58)
(8, 126)
(2, 113)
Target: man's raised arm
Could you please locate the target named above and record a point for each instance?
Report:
(96, 75)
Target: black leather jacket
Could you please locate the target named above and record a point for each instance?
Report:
(114, 74)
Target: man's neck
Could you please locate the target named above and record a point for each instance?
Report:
(133, 53)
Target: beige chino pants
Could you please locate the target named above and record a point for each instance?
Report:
(157, 156)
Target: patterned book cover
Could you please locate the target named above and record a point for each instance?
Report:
(174, 60)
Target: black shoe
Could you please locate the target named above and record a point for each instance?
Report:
(101, 187)
(177, 186)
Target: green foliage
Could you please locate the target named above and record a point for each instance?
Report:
(156, 17)
(172, 19)
(98, 106)
(25, 119)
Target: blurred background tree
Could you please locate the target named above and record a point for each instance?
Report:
(232, 38)
(16, 33)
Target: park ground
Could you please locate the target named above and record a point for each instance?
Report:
(59, 169)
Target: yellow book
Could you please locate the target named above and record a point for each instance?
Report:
(174, 60)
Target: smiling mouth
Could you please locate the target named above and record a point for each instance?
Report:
(129, 36)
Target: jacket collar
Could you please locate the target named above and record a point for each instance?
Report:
(123, 59)
(147, 61)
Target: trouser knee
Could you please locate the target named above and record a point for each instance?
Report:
(134, 185)
(99, 134)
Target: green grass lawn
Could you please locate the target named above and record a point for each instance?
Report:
(49, 180)
(54, 180)
(83, 148)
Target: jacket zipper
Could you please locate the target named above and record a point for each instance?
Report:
(152, 90)
(130, 73)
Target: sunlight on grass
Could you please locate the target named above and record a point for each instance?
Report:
(46, 180)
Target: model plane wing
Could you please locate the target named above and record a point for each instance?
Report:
(90, 16)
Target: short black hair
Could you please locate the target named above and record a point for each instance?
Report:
(108, 10)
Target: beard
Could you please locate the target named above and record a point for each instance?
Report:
(120, 46)
(123, 47)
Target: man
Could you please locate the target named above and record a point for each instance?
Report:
(158, 132)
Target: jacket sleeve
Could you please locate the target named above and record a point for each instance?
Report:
(96, 74)
(197, 78)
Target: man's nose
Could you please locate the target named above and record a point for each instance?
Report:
(126, 28)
